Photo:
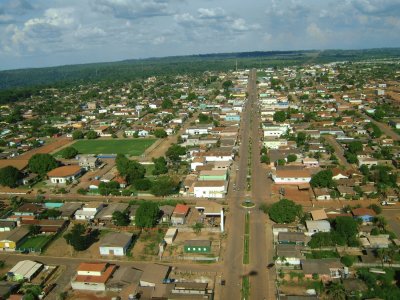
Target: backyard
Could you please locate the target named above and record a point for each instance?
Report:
(130, 147)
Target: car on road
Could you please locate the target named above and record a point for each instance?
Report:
(223, 282)
(270, 266)
(384, 203)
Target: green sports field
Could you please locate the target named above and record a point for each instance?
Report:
(36, 242)
(131, 147)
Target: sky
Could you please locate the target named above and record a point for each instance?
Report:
(41, 33)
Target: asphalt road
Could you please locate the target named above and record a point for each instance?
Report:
(339, 151)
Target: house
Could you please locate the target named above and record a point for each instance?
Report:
(179, 214)
(64, 174)
(105, 215)
(68, 209)
(346, 191)
(143, 133)
(124, 278)
(10, 241)
(89, 211)
(25, 270)
(199, 129)
(322, 193)
(379, 241)
(210, 189)
(291, 176)
(288, 254)
(28, 211)
(318, 226)
(213, 175)
(154, 274)
(92, 276)
(213, 210)
(365, 214)
(6, 225)
(46, 225)
(197, 246)
(310, 162)
(294, 238)
(327, 269)
(318, 214)
(115, 243)
(367, 161)
(190, 290)
(339, 174)
(166, 211)
(88, 162)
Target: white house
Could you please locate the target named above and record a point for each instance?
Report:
(62, 175)
(143, 133)
(115, 243)
(210, 189)
(218, 156)
(88, 211)
(288, 254)
(317, 226)
(368, 161)
(309, 162)
(274, 143)
(198, 130)
(291, 176)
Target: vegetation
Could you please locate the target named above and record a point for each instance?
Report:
(69, 152)
(322, 179)
(42, 163)
(120, 218)
(10, 176)
(80, 238)
(147, 215)
(132, 147)
(284, 211)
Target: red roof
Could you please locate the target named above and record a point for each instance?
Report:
(97, 279)
(362, 211)
(93, 267)
(181, 209)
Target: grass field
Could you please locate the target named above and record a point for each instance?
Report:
(131, 147)
(36, 242)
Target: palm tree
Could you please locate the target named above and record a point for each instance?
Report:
(335, 291)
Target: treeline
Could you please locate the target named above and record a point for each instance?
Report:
(138, 69)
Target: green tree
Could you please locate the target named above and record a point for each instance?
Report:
(347, 260)
(284, 211)
(205, 119)
(160, 166)
(77, 135)
(197, 227)
(346, 227)
(355, 147)
(265, 159)
(69, 152)
(42, 163)
(34, 229)
(291, 158)
(131, 170)
(147, 215)
(376, 208)
(163, 186)
(120, 218)
(322, 179)
(91, 135)
(166, 104)
(336, 291)
(142, 184)
(174, 152)
(227, 84)
(160, 133)
(10, 176)
(79, 238)
(280, 116)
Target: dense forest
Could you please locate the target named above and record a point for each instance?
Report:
(19, 84)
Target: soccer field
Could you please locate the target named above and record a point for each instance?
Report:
(36, 242)
(131, 147)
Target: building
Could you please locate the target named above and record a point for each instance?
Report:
(290, 254)
(92, 276)
(105, 215)
(291, 176)
(89, 211)
(64, 174)
(318, 226)
(154, 274)
(28, 211)
(10, 241)
(294, 238)
(327, 269)
(197, 246)
(25, 270)
(88, 162)
(210, 189)
(365, 214)
(211, 209)
(115, 243)
(7, 225)
(179, 214)
(322, 194)
(213, 175)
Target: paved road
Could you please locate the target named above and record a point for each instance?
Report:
(261, 247)
(233, 267)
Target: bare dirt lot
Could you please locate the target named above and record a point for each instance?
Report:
(292, 192)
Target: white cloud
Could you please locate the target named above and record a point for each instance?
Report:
(315, 32)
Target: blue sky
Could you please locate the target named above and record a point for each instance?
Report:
(37, 33)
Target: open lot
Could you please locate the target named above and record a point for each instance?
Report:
(131, 147)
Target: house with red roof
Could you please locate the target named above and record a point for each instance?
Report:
(92, 276)
(365, 214)
(179, 214)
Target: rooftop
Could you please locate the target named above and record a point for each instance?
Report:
(64, 171)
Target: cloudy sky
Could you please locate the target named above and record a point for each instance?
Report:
(36, 33)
